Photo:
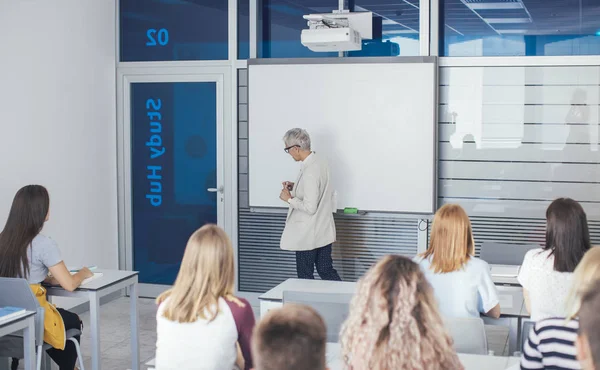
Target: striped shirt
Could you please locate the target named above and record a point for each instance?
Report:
(551, 345)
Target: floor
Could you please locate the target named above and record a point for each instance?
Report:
(115, 342)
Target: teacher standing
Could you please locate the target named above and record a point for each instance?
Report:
(309, 228)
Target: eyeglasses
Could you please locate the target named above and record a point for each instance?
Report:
(287, 150)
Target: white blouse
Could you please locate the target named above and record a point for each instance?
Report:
(200, 345)
(548, 289)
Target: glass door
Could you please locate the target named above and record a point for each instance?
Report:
(174, 128)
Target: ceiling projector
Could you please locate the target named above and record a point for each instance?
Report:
(337, 31)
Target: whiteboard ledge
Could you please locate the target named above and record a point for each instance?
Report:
(362, 213)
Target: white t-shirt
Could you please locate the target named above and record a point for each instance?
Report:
(548, 289)
(463, 293)
(200, 345)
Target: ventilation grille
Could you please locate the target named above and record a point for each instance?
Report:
(516, 231)
(361, 242)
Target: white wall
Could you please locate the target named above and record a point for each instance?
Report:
(58, 125)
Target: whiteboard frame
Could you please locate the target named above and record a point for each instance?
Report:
(367, 60)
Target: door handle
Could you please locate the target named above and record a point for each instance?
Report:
(214, 190)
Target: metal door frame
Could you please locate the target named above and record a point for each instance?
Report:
(225, 155)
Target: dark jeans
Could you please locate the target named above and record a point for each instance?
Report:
(66, 359)
(306, 261)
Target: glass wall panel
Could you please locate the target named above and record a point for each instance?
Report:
(166, 30)
(519, 27)
(396, 26)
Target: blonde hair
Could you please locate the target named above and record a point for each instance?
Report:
(586, 273)
(451, 242)
(206, 274)
(394, 322)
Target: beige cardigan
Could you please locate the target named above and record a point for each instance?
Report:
(309, 223)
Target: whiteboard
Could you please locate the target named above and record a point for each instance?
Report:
(374, 123)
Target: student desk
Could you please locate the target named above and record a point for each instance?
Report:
(274, 297)
(512, 317)
(26, 323)
(512, 313)
(470, 362)
(511, 297)
(512, 304)
(111, 281)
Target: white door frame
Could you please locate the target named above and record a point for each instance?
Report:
(226, 151)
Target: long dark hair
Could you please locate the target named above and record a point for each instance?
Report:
(567, 234)
(25, 221)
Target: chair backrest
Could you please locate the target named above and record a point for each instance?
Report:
(505, 254)
(468, 335)
(527, 328)
(333, 307)
(17, 293)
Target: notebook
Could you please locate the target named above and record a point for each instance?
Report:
(7, 313)
(505, 270)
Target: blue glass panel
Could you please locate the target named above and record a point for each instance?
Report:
(243, 29)
(173, 162)
(280, 24)
(164, 30)
(519, 27)
(396, 27)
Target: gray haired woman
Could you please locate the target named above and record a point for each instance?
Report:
(309, 228)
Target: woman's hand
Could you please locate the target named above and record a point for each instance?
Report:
(288, 185)
(285, 195)
(69, 282)
(86, 273)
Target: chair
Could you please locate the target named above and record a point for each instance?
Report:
(505, 254)
(334, 308)
(468, 335)
(17, 293)
(528, 326)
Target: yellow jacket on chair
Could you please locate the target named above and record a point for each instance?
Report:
(54, 326)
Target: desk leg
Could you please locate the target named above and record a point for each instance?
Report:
(519, 334)
(513, 335)
(95, 329)
(29, 344)
(135, 332)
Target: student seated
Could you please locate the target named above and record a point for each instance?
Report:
(462, 284)
(394, 322)
(200, 324)
(551, 343)
(26, 253)
(588, 339)
(293, 337)
(546, 273)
